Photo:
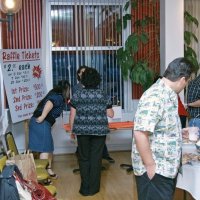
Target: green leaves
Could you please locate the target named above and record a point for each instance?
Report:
(142, 23)
(193, 60)
(190, 19)
(126, 17)
(132, 43)
(126, 5)
(134, 4)
(137, 70)
(144, 37)
(119, 23)
(189, 37)
(141, 74)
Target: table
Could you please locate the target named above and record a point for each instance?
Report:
(112, 125)
(189, 180)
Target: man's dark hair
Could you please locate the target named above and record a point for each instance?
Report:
(178, 68)
(90, 78)
(156, 78)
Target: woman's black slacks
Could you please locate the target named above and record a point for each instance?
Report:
(90, 149)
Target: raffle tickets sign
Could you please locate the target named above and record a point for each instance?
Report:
(24, 81)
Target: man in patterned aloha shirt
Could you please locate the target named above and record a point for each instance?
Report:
(157, 140)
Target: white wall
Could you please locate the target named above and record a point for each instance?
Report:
(171, 31)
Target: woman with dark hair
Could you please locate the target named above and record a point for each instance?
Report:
(88, 119)
(79, 72)
(79, 86)
(50, 107)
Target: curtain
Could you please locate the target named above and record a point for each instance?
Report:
(84, 33)
(26, 32)
(150, 51)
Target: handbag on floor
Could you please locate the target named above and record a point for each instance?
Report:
(26, 164)
(36, 191)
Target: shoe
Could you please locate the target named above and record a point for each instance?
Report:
(109, 159)
(47, 182)
(76, 171)
(51, 173)
(87, 194)
(129, 170)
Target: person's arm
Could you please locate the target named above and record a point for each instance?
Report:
(71, 120)
(110, 112)
(194, 104)
(47, 108)
(72, 115)
(143, 147)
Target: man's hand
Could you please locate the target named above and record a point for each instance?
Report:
(151, 170)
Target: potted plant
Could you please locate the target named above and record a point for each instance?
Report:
(135, 67)
(189, 38)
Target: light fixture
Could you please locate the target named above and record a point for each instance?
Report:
(9, 7)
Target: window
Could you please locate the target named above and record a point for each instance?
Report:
(84, 33)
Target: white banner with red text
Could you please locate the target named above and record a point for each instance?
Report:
(24, 81)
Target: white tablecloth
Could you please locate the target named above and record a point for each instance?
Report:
(189, 180)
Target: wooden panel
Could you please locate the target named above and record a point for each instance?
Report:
(151, 50)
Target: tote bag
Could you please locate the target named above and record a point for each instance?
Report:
(26, 164)
(36, 191)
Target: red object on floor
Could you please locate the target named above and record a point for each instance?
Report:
(112, 125)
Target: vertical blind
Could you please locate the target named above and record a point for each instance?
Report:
(84, 33)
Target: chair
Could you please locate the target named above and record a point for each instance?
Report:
(2, 162)
(3, 156)
(11, 145)
(42, 174)
(51, 188)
